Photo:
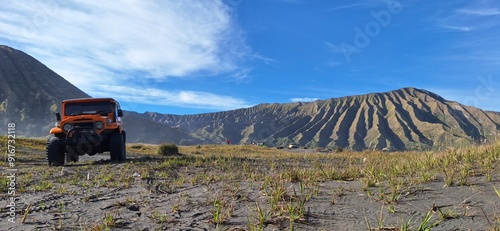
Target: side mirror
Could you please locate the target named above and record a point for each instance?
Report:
(58, 116)
(120, 113)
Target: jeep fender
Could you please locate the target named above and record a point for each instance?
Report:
(55, 130)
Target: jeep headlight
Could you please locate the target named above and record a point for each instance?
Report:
(67, 127)
(99, 125)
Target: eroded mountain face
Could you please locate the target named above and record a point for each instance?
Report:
(407, 118)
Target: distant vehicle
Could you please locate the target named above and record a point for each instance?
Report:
(87, 126)
(290, 146)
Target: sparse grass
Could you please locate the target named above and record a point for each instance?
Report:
(261, 216)
(159, 217)
(497, 191)
(288, 180)
(33, 143)
(110, 221)
(222, 209)
(25, 214)
(236, 162)
(43, 185)
(426, 224)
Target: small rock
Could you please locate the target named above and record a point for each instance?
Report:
(134, 207)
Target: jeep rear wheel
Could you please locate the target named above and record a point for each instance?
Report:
(55, 152)
(117, 147)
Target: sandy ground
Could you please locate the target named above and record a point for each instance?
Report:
(149, 204)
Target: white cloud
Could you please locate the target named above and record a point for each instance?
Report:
(347, 6)
(97, 42)
(366, 4)
(242, 76)
(478, 16)
(266, 60)
(155, 96)
(480, 12)
(457, 28)
(303, 99)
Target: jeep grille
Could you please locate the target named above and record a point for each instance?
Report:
(84, 125)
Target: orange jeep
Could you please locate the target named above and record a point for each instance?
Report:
(87, 126)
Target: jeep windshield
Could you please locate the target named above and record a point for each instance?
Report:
(88, 108)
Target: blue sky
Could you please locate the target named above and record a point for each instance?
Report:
(185, 57)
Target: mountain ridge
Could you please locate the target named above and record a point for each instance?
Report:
(402, 119)
(417, 111)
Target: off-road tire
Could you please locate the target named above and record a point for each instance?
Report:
(55, 152)
(71, 155)
(117, 147)
(124, 134)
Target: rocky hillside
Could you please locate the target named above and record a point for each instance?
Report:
(30, 93)
(407, 118)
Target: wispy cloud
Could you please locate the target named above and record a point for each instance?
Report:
(476, 16)
(267, 60)
(480, 12)
(91, 43)
(365, 4)
(457, 28)
(347, 6)
(303, 99)
(241, 76)
(155, 96)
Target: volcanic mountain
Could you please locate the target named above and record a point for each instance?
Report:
(403, 119)
(408, 118)
(30, 93)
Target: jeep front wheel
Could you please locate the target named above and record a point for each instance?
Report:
(117, 147)
(55, 152)
(71, 155)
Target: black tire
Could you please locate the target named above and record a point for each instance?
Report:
(124, 134)
(71, 155)
(116, 147)
(55, 152)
